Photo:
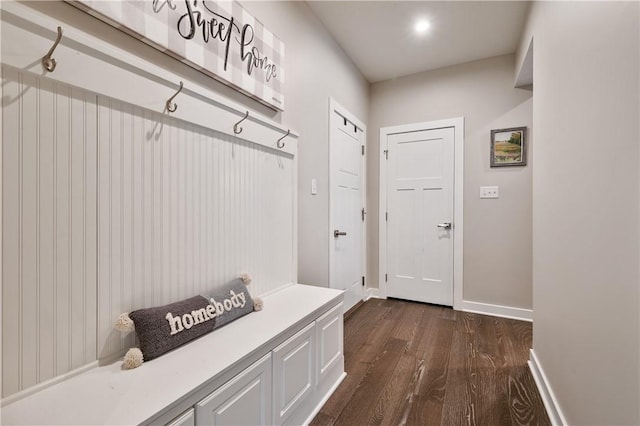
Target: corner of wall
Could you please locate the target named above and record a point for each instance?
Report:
(524, 45)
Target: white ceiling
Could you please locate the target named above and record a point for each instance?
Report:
(379, 35)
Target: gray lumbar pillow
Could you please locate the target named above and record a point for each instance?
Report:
(167, 327)
(230, 301)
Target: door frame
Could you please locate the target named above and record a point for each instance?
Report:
(458, 199)
(336, 108)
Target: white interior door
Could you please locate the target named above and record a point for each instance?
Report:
(420, 202)
(346, 253)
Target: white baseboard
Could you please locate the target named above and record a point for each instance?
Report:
(372, 293)
(546, 393)
(325, 399)
(497, 310)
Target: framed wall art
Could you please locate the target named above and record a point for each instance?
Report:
(509, 147)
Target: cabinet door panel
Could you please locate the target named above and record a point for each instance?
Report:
(294, 372)
(185, 419)
(245, 400)
(329, 329)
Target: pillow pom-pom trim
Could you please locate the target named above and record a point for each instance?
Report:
(124, 324)
(246, 278)
(258, 304)
(133, 359)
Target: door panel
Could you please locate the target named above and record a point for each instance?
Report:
(419, 198)
(294, 373)
(346, 255)
(329, 338)
(404, 229)
(245, 400)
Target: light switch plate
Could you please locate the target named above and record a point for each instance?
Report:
(314, 186)
(489, 192)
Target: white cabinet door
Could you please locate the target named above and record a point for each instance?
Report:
(294, 373)
(329, 332)
(244, 400)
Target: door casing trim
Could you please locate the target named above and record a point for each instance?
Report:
(458, 200)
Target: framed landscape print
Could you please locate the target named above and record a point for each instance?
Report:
(509, 147)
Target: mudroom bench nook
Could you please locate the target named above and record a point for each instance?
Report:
(137, 191)
(276, 366)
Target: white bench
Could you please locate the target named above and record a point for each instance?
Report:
(275, 366)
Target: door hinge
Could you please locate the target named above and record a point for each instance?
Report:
(364, 212)
(362, 281)
(386, 216)
(362, 149)
(386, 154)
(385, 278)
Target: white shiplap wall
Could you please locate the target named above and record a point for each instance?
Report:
(109, 207)
(184, 209)
(49, 239)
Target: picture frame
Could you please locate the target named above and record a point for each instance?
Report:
(509, 147)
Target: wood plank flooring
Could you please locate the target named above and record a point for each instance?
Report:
(415, 364)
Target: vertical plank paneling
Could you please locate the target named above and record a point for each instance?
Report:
(190, 147)
(90, 277)
(138, 218)
(109, 208)
(116, 121)
(174, 224)
(158, 191)
(217, 237)
(147, 210)
(11, 219)
(201, 196)
(181, 284)
(77, 230)
(203, 207)
(61, 224)
(104, 229)
(49, 276)
(165, 199)
(46, 237)
(126, 213)
(29, 253)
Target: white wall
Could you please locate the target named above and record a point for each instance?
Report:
(586, 206)
(316, 68)
(497, 233)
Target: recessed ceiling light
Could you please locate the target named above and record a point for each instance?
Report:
(422, 26)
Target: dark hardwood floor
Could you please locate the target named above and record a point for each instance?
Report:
(417, 364)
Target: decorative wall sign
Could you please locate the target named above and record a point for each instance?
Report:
(218, 38)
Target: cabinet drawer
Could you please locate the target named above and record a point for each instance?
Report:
(329, 331)
(244, 400)
(294, 376)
